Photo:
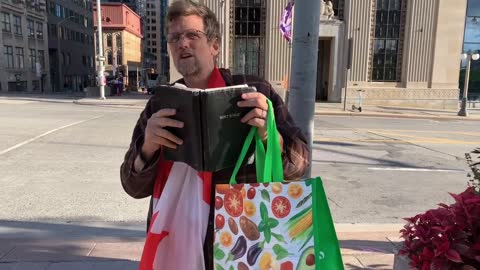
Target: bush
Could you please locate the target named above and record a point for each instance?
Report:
(447, 237)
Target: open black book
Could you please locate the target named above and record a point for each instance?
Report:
(212, 135)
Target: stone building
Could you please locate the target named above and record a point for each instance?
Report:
(404, 53)
(25, 64)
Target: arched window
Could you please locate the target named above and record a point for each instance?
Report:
(118, 41)
(109, 41)
(119, 57)
(109, 58)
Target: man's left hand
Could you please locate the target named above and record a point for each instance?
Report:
(257, 117)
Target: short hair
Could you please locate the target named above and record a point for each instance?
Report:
(181, 8)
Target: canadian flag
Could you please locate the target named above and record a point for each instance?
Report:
(181, 205)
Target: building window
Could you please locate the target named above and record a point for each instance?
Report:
(39, 30)
(119, 58)
(338, 6)
(20, 59)
(8, 51)
(58, 10)
(69, 59)
(388, 41)
(109, 58)
(118, 41)
(249, 31)
(6, 27)
(84, 60)
(17, 24)
(109, 41)
(471, 44)
(31, 28)
(41, 58)
(33, 58)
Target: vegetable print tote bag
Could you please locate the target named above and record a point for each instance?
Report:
(273, 224)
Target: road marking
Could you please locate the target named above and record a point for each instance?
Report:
(414, 169)
(419, 138)
(319, 139)
(45, 134)
(468, 133)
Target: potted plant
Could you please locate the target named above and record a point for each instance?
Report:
(447, 237)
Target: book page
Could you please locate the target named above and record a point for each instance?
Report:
(228, 87)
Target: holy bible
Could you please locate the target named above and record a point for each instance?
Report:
(212, 135)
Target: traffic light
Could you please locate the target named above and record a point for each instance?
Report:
(152, 70)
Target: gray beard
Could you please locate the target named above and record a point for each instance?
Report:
(188, 70)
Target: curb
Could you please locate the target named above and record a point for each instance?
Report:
(368, 227)
(393, 115)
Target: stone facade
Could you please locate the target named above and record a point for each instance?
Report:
(428, 47)
(25, 65)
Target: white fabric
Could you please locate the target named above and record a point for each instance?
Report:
(182, 213)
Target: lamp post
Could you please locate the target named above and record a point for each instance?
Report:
(469, 57)
(100, 58)
(59, 65)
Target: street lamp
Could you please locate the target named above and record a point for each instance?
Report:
(60, 71)
(469, 57)
(100, 58)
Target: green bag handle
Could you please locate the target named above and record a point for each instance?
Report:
(268, 163)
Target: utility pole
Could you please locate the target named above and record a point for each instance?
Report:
(100, 57)
(301, 98)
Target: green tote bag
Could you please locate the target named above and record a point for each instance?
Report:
(273, 224)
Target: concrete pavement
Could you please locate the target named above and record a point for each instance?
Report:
(119, 246)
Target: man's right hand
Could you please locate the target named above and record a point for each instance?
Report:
(156, 135)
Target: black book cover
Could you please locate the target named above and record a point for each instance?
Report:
(212, 135)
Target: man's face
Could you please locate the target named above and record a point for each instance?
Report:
(192, 53)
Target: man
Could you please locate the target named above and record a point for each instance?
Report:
(193, 36)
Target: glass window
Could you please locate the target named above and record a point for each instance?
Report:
(39, 30)
(41, 58)
(118, 41)
(473, 8)
(8, 52)
(6, 26)
(389, 20)
(472, 30)
(109, 58)
(33, 58)
(58, 10)
(17, 24)
(249, 31)
(109, 40)
(31, 28)
(119, 58)
(20, 59)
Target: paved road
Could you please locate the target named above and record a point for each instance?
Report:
(60, 162)
(381, 170)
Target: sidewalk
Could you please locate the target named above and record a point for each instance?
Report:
(138, 100)
(43, 246)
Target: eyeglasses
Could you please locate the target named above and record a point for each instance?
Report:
(189, 34)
